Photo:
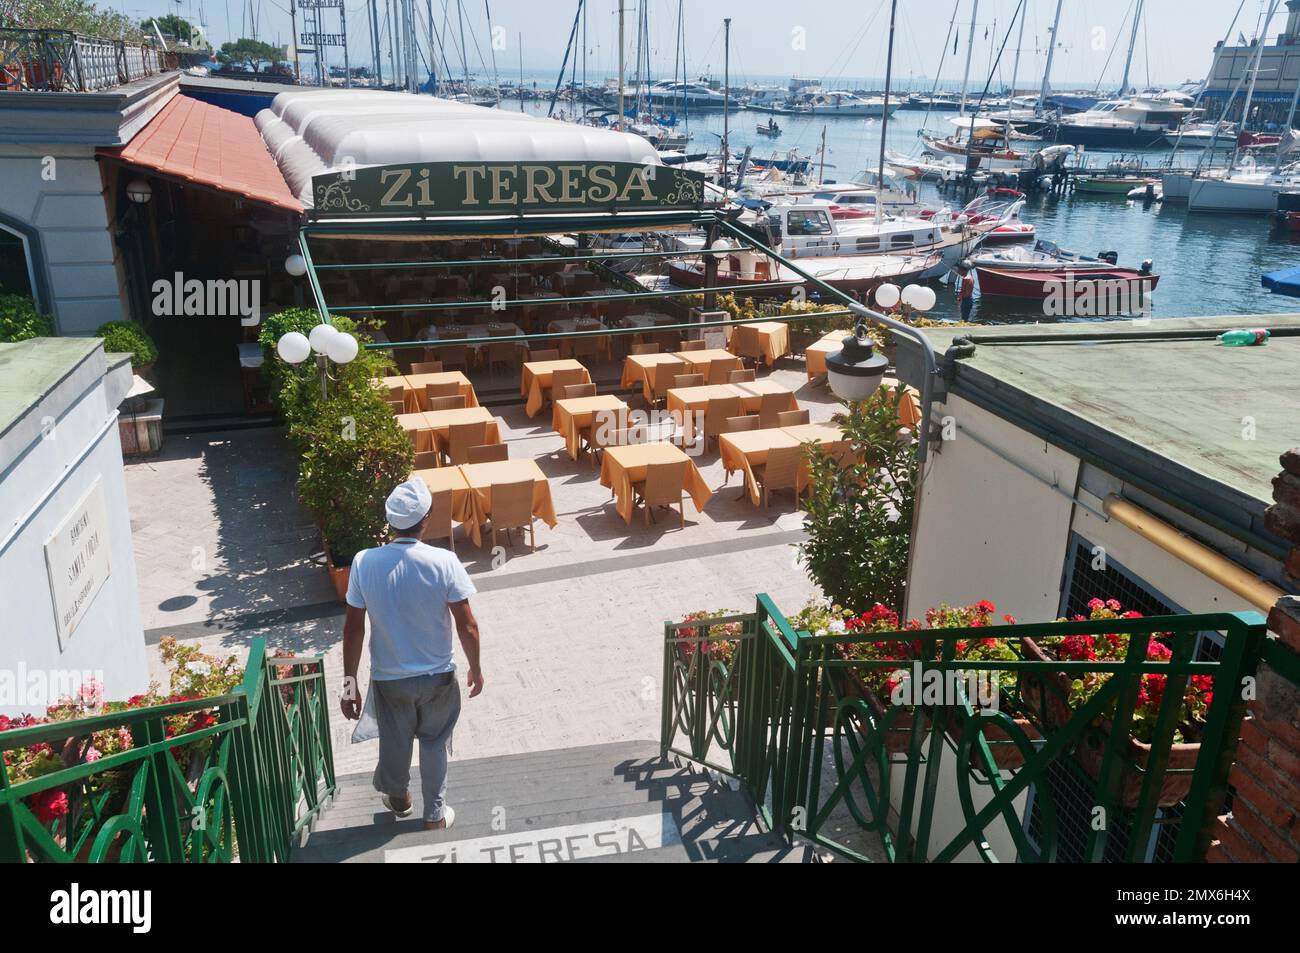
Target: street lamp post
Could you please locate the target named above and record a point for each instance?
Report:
(328, 343)
(855, 373)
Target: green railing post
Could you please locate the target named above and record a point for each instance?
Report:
(162, 809)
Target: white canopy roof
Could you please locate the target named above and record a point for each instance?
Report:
(314, 131)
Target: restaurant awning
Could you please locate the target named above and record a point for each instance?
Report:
(209, 146)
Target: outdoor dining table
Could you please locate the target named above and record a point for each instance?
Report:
(430, 427)
(416, 397)
(535, 378)
(815, 354)
(696, 399)
(574, 282)
(479, 477)
(746, 449)
(636, 370)
(700, 360)
(620, 467)
(571, 415)
(570, 326)
(451, 478)
(773, 339)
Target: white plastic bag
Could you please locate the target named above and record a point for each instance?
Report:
(367, 728)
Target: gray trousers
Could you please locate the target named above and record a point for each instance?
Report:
(424, 707)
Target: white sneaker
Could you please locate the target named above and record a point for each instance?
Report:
(388, 803)
(448, 817)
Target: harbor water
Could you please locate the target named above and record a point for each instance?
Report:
(1208, 264)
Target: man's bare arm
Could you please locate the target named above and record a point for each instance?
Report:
(354, 637)
(467, 629)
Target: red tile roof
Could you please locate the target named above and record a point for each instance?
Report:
(208, 145)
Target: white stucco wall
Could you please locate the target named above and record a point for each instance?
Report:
(48, 460)
(68, 212)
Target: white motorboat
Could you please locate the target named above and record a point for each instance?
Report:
(1135, 123)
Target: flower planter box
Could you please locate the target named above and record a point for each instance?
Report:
(1051, 692)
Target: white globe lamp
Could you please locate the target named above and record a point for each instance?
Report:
(887, 295)
(919, 297)
(296, 265)
(856, 371)
(293, 348)
(320, 337)
(139, 191)
(341, 348)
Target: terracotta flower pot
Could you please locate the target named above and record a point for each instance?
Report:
(1048, 695)
(339, 575)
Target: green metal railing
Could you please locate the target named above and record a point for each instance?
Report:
(787, 713)
(247, 782)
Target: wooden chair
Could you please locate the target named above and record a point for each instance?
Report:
(586, 347)
(512, 508)
(452, 402)
(425, 460)
(489, 453)
(688, 380)
(780, 472)
(439, 524)
(505, 354)
(650, 348)
(791, 418)
(746, 343)
(661, 378)
(716, 414)
(565, 377)
(737, 424)
(770, 407)
(694, 345)
(460, 437)
(720, 369)
(741, 377)
(454, 355)
(603, 432)
(551, 354)
(397, 406)
(426, 367)
(578, 390)
(397, 392)
(662, 486)
(442, 389)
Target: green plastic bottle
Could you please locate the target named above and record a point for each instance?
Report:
(1243, 337)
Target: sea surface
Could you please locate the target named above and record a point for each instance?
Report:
(1209, 264)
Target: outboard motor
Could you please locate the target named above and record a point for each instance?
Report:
(1146, 267)
(1109, 257)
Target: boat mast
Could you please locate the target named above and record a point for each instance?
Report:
(1254, 75)
(521, 72)
(821, 170)
(1132, 42)
(970, 50)
(620, 65)
(726, 99)
(1214, 65)
(1051, 53)
(1290, 124)
(1015, 66)
(884, 117)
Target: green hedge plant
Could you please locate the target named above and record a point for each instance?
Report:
(127, 337)
(19, 320)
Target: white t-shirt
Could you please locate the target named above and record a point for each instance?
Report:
(405, 588)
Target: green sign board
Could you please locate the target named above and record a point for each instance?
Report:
(502, 188)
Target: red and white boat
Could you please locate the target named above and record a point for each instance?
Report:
(1046, 271)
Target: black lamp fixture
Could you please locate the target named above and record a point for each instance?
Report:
(856, 371)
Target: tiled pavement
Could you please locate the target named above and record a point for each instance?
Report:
(571, 633)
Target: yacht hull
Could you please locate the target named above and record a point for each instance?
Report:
(1223, 195)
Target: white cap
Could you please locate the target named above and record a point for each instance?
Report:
(408, 503)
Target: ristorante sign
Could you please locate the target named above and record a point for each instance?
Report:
(497, 188)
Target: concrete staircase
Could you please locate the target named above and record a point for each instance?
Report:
(614, 803)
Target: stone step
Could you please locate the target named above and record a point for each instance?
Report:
(616, 802)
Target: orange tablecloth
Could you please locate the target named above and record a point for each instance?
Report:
(571, 415)
(697, 399)
(699, 361)
(450, 478)
(909, 408)
(636, 370)
(479, 477)
(415, 383)
(430, 427)
(535, 378)
(570, 326)
(622, 466)
(748, 449)
(773, 339)
(816, 353)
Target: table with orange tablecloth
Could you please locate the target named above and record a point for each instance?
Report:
(437, 424)
(773, 339)
(480, 477)
(815, 354)
(636, 370)
(622, 466)
(450, 478)
(570, 326)
(696, 399)
(415, 393)
(535, 379)
(909, 408)
(700, 361)
(570, 415)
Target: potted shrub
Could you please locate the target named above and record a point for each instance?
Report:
(19, 320)
(127, 337)
(1055, 696)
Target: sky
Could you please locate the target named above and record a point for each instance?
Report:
(828, 39)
